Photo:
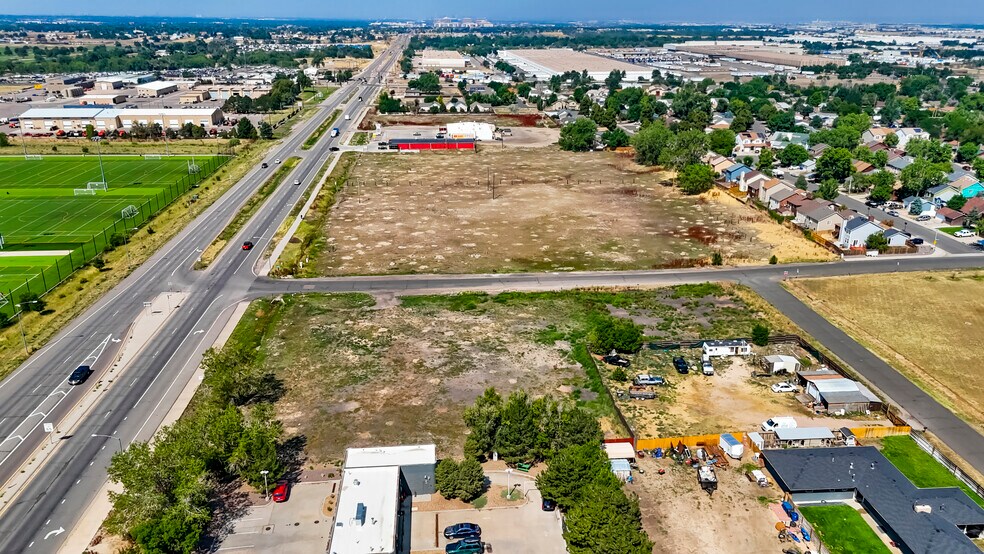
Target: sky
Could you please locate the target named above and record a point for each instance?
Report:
(651, 11)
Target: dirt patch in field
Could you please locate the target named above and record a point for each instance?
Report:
(927, 325)
(552, 211)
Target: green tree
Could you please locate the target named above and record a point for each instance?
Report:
(516, 437)
(931, 150)
(32, 302)
(614, 80)
(686, 148)
(483, 419)
(245, 129)
(688, 99)
(828, 190)
(303, 81)
(175, 531)
(802, 183)
(968, 152)
(782, 121)
(574, 426)
(578, 136)
(696, 178)
(760, 334)
(258, 447)
(876, 241)
(835, 163)
(766, 161)
(266, 130)
(606, 521)
(614, 333)
(793, 155)
(388, 104)
(651, 142)
(743, 118)
(426, 83)
(465, 480)
(978, 166)
(957, 202)
(721, 141)
(571, 471)
(615, 138)
(921, 175)
(90, 131)
(915, 208)
(881, 192)
(891, 140)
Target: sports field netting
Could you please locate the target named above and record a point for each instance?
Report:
(40, 210)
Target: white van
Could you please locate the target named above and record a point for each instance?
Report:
(778, 422)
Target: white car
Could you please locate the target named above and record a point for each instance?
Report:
(964, 233)
(784, 387)
(276, 161)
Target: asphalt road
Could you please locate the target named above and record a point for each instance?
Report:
(943, 240)
(131, 408)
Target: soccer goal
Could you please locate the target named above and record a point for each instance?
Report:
(152, 156)
(33, 157)
(85, 192)
(193, 168)
(129, 211)
(3, 301)
(97, 185)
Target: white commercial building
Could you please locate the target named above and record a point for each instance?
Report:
(547, 62)
(156, 88)
(471, 129)
(447, 60)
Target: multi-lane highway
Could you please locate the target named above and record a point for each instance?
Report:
(132, 408)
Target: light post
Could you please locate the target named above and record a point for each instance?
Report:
(20, 323)
(266, 490)
(111, 437)
(508, 487)
(100, 154)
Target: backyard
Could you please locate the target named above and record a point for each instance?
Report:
(843, 530)
(916, 464)
(937, 345)
(535, 209)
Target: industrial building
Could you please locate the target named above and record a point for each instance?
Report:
(109, 119)
(194, 97)
(445, 60)
(545, 63)
(102, 99)
(373, 514)
(156, 89)
(225, 92)
(919, 521)
(432, 144)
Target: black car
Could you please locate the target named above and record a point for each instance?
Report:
(873, 203)
(462, 531)
(917, 241)
(615, 359)
(681, 365)
(80, 374)
(334, 149)
(548, 505)
(264, 165)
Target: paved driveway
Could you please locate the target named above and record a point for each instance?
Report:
(297, 525)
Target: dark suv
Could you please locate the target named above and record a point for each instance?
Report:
(615, 359)
(462, 531)
(80, 374)
(681, 365)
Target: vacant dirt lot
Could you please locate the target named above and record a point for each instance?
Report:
(679, 517)
(436, 120)
(927, 325)
(552, 211)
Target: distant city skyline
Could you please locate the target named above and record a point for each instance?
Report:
(644, 11)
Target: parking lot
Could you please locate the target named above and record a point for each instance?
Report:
(524, 528)
(298, 525)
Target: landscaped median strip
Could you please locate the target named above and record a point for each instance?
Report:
(246, 212)
(320, 131)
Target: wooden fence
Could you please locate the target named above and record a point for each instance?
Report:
(880, 431)
(692, 441)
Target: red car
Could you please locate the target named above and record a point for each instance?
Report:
(247, 245)
(282, 491)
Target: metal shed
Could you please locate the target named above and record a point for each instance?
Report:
(804, 436)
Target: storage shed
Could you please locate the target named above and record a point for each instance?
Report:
(780, 363)
(804, 437)
(621, 469)
(619, 451)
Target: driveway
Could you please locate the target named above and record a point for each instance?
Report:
(297, 525)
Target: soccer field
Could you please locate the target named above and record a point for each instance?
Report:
(41, 210)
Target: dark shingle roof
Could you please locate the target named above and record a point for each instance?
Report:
(885, 492)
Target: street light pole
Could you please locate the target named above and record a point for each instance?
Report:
(266, 489)
(111, 437)
(20, 323)
(100, 153)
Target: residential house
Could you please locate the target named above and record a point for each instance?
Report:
(807, 205)
(969, 186)
(779, 202)
(457, 104)
(782, 139)
(975, 203)
(862, 167)
(719, 163)
(732, 174)
(822, 219)
(799, 202)
(817, 150)
(750, 143)
(827, 118)
(747, 180)
(941, 194)
(906, 134)
(951, 217)
(479, 107)
(855, 232)
(897, 165)
(770, 188)
(728, 347)
(722, 120)
(876, 134)
(926, 207)
(896, 237)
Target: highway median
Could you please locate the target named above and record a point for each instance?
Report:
(320, 131)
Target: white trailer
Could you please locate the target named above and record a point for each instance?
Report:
(731, 446)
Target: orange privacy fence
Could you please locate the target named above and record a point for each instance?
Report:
(879, 432)
(691, 441)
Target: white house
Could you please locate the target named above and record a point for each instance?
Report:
(855, 232)
(750, 143)
(781, 364)
(728, 347)
(896, 237)
(906, 134)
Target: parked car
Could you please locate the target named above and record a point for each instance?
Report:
(871, 253)
(615, 359)
(705, 367)
(462, 531)
(80, 374)
(548, 505)
(784, 387)
(646, 380)
(964, 233)
(924, 217)
(466, 546)
(872, 203)
(248, 245)
(642, 394)
(282, 492)
(681, 365)
(893, 213)
(894, 205)
(917, 241)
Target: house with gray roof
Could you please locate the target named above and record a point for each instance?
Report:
(896, 237)
(898, 164)
(855, 232)
(919, 521)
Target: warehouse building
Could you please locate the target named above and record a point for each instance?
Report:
(48, 119)
(919, 521)
(194, 97)
(108, 83)
(373, 513)
(156, 89)
(170, 117)
(547, 62)
(225, 92)
(108, 119)
(102, 99)
(444, 60)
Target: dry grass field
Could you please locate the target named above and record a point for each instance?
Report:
(553, 211)
(929, 326)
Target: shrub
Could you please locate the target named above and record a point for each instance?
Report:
(717, 259)
(117, 240)
(760, 335)
(613, 333)
(773, 260)
(465, 480)
(618, 374)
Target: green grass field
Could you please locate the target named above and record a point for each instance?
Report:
(916, 464)
(843, 530)
(40, 212)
